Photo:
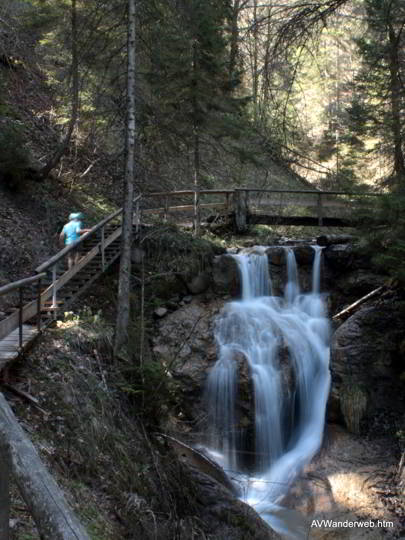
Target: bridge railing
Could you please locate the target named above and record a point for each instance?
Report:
(285, 206)
(254, 205)
(187, 205)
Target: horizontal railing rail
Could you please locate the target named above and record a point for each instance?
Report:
(312, 192)
(23, 312)
(66, 250)
(249, 201)
(5, 289)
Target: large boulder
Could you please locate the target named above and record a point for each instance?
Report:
(184, 344)
(366, 363)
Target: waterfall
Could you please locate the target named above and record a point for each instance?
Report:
(283, 346)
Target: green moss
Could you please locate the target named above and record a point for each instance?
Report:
(353, 403)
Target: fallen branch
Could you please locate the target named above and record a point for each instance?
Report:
(353, 306)
(20, 393)
(45, 500)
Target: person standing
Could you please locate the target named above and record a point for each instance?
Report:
(70, 234)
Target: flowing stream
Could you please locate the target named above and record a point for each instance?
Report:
(282, 346)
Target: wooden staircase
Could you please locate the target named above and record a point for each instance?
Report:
(54, 287)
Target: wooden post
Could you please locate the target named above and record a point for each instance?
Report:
(196, 213)
(4, 492)
(20, 318)
(39, 305)
(241, 210)
(227, 203)
(102, 248)
(320, 210)
(166, 210)
(137, 216)
(54, 279)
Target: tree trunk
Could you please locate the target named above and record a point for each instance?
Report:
(124, 285)
(395, 94)
(196, 143)
(46, 502)
(57, 156)
(255, 73)
(234, 40)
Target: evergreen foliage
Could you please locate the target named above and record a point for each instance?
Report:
(192, 101)
(379, 82)
(386, 236)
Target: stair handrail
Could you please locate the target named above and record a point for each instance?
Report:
(19, 317)
(61, 254)
(21, 283)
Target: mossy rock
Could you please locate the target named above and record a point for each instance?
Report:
(353, 404)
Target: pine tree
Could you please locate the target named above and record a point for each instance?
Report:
(380, 80)
(190, 78)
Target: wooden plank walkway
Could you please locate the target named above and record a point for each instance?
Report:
(10, 347)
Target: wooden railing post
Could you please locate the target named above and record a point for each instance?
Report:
(320, 210)
(227, 203)
(54, 279)
(196, 213)
(241, 210)
(166, 210)
(4, 492)
(20, 317)
(39, 305)
(137, 215)
(102, 248)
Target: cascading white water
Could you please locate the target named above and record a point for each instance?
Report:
(273, 335)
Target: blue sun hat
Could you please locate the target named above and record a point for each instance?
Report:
(76, 215)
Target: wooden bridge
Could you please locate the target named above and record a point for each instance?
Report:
(37, 299)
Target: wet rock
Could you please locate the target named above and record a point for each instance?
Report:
(276, 256)
(228, 517)
(199, 283)
(304, 255)
(185, 340)
(365, 364)
(226, 279)
(160, 312)
(358, 283)
(339, 256)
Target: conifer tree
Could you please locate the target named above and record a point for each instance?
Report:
(381, 79)
(189, 76)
